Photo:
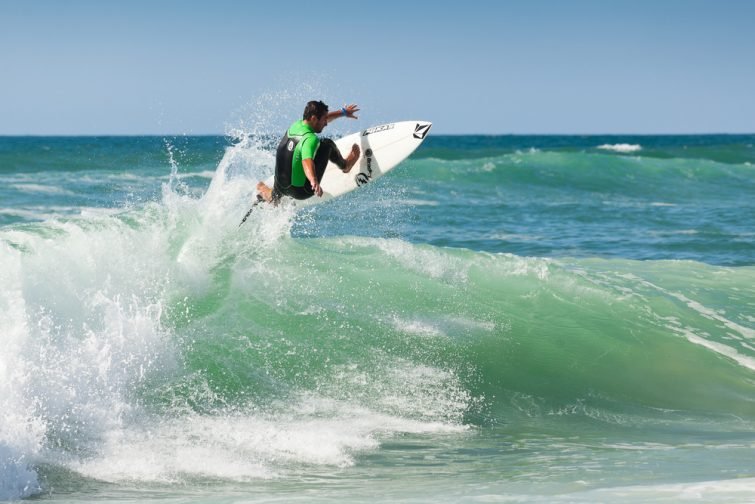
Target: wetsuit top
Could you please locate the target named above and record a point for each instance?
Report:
(306, 148)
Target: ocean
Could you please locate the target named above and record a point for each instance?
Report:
(499, 319)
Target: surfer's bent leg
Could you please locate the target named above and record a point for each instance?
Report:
(328, 151)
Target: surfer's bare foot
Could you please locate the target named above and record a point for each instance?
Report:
(352, 158)
(265, 192)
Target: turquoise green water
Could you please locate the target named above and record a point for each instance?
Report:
(527, 319)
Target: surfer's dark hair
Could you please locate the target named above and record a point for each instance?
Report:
(315, 108)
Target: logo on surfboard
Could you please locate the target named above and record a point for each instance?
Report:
(363, 178)
(378, 129)
(420, 131)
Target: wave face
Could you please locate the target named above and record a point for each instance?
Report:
(444, 320)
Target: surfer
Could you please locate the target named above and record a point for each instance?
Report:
(302, 156)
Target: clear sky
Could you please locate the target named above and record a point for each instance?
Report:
(493, 67)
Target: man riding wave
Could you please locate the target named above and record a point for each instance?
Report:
(302, 156)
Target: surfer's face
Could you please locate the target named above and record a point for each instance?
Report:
(320, 123)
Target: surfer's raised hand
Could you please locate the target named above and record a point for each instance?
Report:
(350, 110)
(345, 111)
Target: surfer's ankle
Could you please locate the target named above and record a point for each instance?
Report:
(265, 191)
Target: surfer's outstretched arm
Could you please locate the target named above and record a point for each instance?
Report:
(346, 111)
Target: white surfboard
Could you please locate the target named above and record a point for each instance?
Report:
(382, 147)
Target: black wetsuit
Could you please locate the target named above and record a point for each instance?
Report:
(284, 159)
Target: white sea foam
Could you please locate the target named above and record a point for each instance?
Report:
(415, 202)
(531, 150)
(713, 315)
(239, 446)
(428, 398)
(439, 326)
(726, 491)
(662, 204)
(731, 490)
(720, 348)
(203, 174)
(21, 432)
(739, 332)
(516, 237)
(46, 213)
(81, 318)
(39, 188)
(424, 328)
(424, 260)
(623, 147)
(446, 264)
(676, 232)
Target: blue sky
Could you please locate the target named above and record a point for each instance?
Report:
(498, 67)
